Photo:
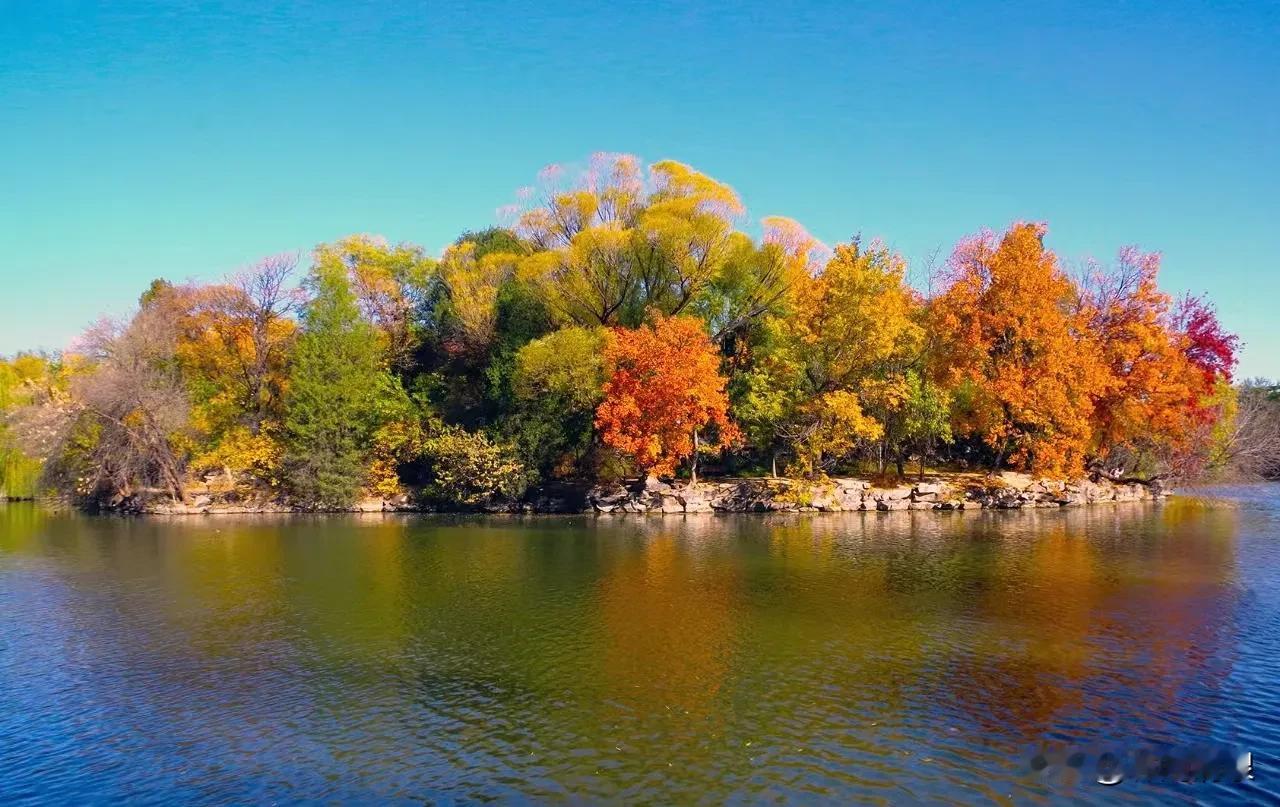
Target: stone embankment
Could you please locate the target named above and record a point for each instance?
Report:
(1006, 492)
(952, 492)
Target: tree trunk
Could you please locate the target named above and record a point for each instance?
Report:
(901, 461)
(773, 470)
(693, 466)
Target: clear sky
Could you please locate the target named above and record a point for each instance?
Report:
(185, 139)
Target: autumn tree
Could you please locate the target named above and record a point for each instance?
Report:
(21, 380)
(1205, 343)
(850, 327)
(914, 413)
(118, 425)
(757, 281)
(388, 283)
(1250, 437)
(234, 346)
(1013, 343)
(663, 395)
(1146, 402)
(336, 379)
(621, 240)
(470, 283)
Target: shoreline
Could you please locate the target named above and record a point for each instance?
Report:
(939, 493)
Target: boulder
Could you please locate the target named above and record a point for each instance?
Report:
(893, 504)
(696, 500)
(891, 494)
(653, 484)
(670, 503)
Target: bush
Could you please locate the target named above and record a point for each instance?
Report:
(470, 470)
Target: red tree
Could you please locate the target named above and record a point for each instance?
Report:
(1206, 343)
(663, 390)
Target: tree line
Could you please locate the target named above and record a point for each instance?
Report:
(623, 323)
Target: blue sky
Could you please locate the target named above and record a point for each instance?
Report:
(185, 140)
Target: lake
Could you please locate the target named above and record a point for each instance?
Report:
(883, 657)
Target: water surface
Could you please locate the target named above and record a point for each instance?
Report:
(897, 657)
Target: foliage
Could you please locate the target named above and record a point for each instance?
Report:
(621, 241)
(628, 321)
(234, 346)
(915, 414)
(852, 329)
(471, 284)
(1009, 329)
(557, 384)
(833, 424)
(19, 380)
(388, 283)
(336, 379)
(663, 388)
(470, 470)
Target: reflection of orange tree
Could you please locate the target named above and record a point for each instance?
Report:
(668, 614)
(1099, 610)
(1036, 648)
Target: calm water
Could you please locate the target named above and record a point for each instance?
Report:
(888, 657)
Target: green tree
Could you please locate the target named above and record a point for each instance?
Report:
(336, 378)
(557, 384)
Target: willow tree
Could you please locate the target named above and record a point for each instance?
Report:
(388, 283)
(622, 240)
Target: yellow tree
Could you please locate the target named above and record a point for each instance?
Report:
(234, 344)
(389, 283)
(848, 327)
(622, 240)
(471, 285)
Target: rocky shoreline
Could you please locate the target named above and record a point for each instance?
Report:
(1007, 491)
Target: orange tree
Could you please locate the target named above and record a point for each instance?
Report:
(662, 390)
(1014, 343)
(1151, 399)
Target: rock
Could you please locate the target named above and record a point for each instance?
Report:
(890, 494)
(825, 499)
(927, 488)
(609, 495)
(653, 484)
(849, 499)
(670, 503)
(892, 504)
(845, 483)
(695, 499)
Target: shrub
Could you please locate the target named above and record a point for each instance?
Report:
(470, 470)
